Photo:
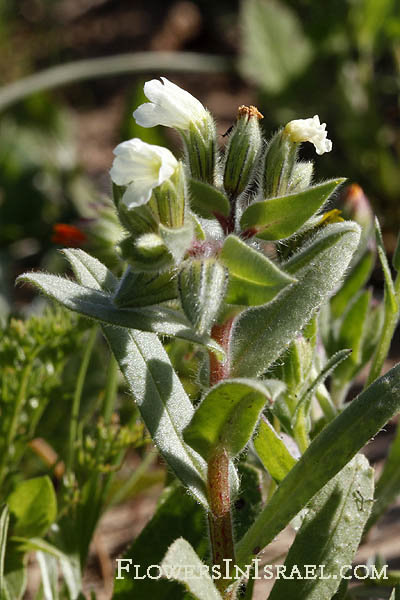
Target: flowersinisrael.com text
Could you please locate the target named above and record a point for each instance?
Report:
(126, 568)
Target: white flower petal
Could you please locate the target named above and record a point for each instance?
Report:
(310, 130)
(137, 194)
(142, 167)
(169, 105)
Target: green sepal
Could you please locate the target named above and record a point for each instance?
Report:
(253, 278)
(260, 334)
(279, 162)
(170, 199)
(177, 240)
(138, 220)
(146, 253)
(226, 417)
(207, 201)
(272, 451)
(145, 289)
(200, 142)
(242, 153)
(331, 532)
(301, 176)
(202, 286)
(280, 217)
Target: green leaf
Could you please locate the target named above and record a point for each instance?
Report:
(207, 201)
(144, 289)
(328, 453)
(226, 417)
(95, 273)
(249, 502)
(253, 278)
(354, 281)
(33, 506)
(162, 401)
(395, 595)
(272, 451)
(49, 572)
(388, 486)
(98, 305)
(15, 575)
(261, 334)
(330, 534)
(390, 294)
(279, 218)
(199, 583)
(69, 565)
(178, 514)
(4, 520)
(275, 49)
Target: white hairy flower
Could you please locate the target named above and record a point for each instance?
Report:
(310, 130)
(169, 105)
(141, 167)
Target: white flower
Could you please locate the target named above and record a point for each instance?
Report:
(310, 130)
(141, 167)
(169, 105)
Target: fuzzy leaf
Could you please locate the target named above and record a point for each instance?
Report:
(272, 451)
(253, 278)
(98, 305)
(389, 286)
(177, 514)
(95, 274)
(33, 506)
(354, 281)
(207, 201)
(162, 401)
(144, 289)
(226, 417)
(327, 454)
(261, 334)
(177, 240)
(198, 583)
(331, 532)
(279, 218)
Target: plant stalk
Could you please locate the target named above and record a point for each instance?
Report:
(77, 397)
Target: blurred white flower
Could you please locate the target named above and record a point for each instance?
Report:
(169, 105)
(310, 130)
(141, 167)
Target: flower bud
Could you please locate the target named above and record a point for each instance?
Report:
(280, 159)
(144, 289)
(301, 176)
(200, 142)
(170, 200)
(202, 285)
(146, 253)
(243, 151)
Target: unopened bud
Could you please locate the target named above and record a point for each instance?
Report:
(301, 176)
(243, 151)
(202, 285)
(356, 206)
(200, 141)
(146, 253)
(170, 200)
(280, 160)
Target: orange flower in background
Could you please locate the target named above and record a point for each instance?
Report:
(68, 235)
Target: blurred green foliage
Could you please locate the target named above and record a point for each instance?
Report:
(340, 60)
